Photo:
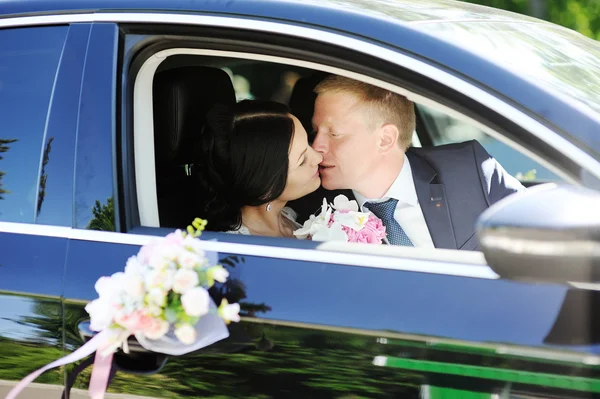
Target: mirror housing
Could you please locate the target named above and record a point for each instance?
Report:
(549, 233)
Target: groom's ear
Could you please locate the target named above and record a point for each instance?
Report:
(388, 138)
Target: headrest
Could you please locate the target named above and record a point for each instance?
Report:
(181, 98)
(302, 100)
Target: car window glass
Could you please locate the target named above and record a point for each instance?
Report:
(28, 62)
(444, 129)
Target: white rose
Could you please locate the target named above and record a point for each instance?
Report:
(110, 287)
(195, 302)
(134, 287)
(134, 266)
(158, 262)
(186, 334)
(187, 259)
(157, 296)
(184, 280)
(102, 313)
(154, 310)
(162, 279)
(218, 273)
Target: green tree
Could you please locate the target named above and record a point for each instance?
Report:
(582, 16)
(4, 146)
(104, 216)
(44, 175)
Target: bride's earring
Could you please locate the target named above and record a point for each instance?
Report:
(269, 207)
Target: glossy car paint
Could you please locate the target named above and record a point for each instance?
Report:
(310, 329)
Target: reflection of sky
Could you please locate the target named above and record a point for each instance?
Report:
(28, 62)
(14, 308)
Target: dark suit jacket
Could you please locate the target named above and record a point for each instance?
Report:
(455, 183)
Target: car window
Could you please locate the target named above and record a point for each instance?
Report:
(444, 129)
(28, 62)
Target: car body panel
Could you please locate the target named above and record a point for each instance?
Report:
(310, 328)
(32, 261)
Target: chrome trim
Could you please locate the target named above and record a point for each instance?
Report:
(405, 259)
(534, 127)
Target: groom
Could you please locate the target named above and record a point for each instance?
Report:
(426, 197)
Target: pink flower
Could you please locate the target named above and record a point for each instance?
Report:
(156, 329)
(134, 322)
(373, 232)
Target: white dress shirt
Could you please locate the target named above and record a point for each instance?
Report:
(408, 212)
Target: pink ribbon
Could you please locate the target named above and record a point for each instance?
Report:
(100, 372)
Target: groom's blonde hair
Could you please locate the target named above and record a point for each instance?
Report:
(384, 105)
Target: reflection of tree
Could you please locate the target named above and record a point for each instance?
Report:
(580, 15)
(47, 321)
(44, 175)
(235, 290)
(104, 216)
(4, 146)
(301, 364)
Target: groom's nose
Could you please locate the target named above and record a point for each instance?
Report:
(320, 143)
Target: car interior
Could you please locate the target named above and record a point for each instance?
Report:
(185, 87)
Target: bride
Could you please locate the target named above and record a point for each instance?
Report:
(251, 160)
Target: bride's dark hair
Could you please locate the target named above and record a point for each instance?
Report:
(241, 160)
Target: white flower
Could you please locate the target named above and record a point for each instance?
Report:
(102, 313)
(332, 233)
(195, 302)
(229, 312)
(156, 329)
(354, 220)
(159, 278)
(134, 286)
(186, 334)
(342, 203)
(110, 287)
(193, 244)
(218, 273)
(187, 259)
(315, 223)
(184, 280)
(154, 310)
(157, 296)
(134, 266)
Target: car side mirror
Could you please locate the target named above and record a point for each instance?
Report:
(548, 233)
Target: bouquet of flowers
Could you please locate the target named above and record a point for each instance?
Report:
(161, 298)
(342, 221)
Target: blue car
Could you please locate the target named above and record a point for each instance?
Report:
(94, 162)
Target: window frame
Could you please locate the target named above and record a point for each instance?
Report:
(143, 152)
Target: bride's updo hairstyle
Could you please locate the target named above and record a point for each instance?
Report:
(241, 160)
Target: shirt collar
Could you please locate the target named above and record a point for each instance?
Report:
(402, 189)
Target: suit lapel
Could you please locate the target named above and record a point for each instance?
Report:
(432, 199)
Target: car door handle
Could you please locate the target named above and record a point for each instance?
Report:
(139, 360)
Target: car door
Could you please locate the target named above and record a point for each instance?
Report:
(40, 81)
(319, 320)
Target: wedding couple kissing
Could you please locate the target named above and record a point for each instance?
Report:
(360, 176)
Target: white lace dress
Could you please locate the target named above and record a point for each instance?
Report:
(286, 211)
